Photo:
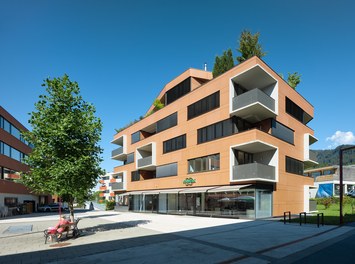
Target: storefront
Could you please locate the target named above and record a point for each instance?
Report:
(238, 201)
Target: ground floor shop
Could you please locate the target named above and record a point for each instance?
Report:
(239, 201)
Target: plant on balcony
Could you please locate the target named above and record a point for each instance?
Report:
(118, 130)
(249, 46)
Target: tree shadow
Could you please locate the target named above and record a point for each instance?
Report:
(114, 226)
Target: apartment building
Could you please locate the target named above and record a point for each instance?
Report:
(234, 146)
(13, 148)
(327, 183)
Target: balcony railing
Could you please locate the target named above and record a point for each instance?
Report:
(313, 155)
(116, 186)
(117, 151)
(145, 161)
(253, 171)
(252, 97)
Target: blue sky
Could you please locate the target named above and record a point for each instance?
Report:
(122, 53)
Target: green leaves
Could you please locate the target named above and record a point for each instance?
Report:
(65, 134)
(249, 46)
(223, 63)
(293, 79)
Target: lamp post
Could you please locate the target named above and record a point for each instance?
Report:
(341, 182)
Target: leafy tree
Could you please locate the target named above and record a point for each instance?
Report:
(223, 63)
(293, 79)
(249, 46)
(65, 133)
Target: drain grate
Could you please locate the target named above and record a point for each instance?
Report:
(18, 229)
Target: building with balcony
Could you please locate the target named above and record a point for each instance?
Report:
(234, 146)
(13, 148)
(327, 183)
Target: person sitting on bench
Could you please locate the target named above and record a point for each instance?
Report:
(61, 227)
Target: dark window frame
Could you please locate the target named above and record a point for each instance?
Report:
(294, 166)
(203, 106)
(174, 144)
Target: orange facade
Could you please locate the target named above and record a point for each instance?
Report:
(263, 139)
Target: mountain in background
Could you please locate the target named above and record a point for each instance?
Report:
(328, 157)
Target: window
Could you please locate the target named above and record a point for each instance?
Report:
(316, 173)
(178, 91)
(6, 150)
(328, 172)
(203, 106)
(174, 144)
(10, 201)
(135, 176)
(243, 157)
(297, 112)
(135, 137)
(130, 158)
(15, 154)
(217, 130)
(207, 163)
(294, 166)
(282, 132)
(167, 170)
(166, 122)
(7, 126)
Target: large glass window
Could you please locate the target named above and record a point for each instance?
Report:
(15, 154)
(294, 166)
(207, 163)
(166, 122)
(130, 159)
(135, 137)
(297, 112)
(174, 144)
(135, 176)
(6, 150)
(217, 130)
(178, 91)
(203, 106)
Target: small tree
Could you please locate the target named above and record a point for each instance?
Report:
(293, 79)
(249, 46)
(223, 63)
(65, 133)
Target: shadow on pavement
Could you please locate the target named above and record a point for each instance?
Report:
(114, 226)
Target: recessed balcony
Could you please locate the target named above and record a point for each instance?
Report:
(254, 106)
(310, 157)
(254, 171)
(146, 157)
(254, 161)
(120, 153)
(117, 186)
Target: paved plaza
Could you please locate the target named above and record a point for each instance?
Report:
(125, 237)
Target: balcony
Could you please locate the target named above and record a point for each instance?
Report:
(119, 153)
(117, 186)
(254, 106)
(310, 157)
(146, 157)
(147, 161)
(254, 171)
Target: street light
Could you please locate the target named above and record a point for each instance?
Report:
(341, 182)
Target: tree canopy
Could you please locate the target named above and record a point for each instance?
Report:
(249, 46)
(223, 63)
(65, 133)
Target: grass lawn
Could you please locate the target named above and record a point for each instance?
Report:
(331, 215)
